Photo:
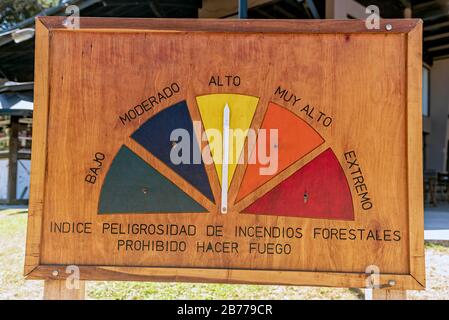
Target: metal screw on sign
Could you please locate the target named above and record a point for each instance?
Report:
(55, 273)
(389, 27)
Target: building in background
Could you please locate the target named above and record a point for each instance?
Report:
(17, 61)
(16, 110)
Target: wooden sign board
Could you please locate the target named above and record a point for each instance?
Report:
(328, 179)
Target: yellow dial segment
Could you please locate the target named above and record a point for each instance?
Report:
(242, 109)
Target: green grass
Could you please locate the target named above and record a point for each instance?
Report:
(442, 246)
(152, 290)
(12, 252)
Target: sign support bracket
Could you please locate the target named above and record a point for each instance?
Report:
(389, 294)
(59, 290)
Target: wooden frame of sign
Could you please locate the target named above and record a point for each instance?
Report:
(367, 82)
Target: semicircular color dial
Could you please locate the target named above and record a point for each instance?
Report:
(317, 189)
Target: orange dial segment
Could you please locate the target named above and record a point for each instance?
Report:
(295, 139)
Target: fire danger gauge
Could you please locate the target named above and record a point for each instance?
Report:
(319, 189)
(227, 151)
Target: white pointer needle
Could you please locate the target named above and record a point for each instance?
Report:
(225, 162)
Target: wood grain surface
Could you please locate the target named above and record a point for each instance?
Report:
(366, 82)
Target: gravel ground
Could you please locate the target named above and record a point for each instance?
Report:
(13, 286)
